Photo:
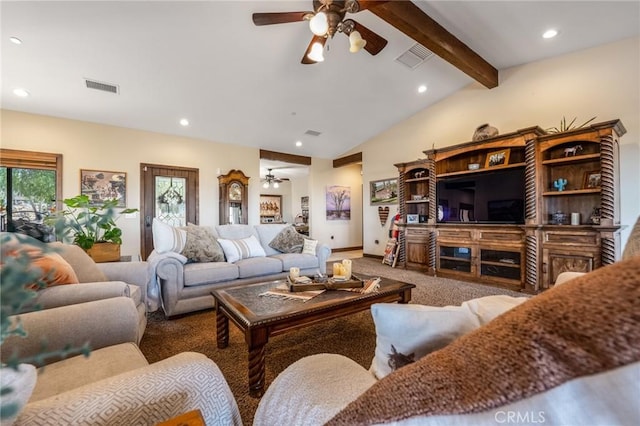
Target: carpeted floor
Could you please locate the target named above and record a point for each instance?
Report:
(352, 336)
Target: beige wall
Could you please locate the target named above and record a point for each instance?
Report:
(602, 82)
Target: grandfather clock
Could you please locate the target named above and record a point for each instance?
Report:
(233, 197)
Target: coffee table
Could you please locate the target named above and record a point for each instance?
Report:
(260, 317)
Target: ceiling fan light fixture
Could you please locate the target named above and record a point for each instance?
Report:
(276, 185)
(265, 185)
(316, 52)
(356, 42)
(319, 24)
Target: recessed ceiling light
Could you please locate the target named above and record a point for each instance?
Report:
(20, 92)
(15, 40)
(298, 143)
(422, 89)
(184, 122)
(550, 33)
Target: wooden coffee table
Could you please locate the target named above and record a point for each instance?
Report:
(260, 317)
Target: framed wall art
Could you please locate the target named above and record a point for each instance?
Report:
(101, 186)
(338, 200)
(270, 208)
(383, 191)
(592, 179)
(498, 158)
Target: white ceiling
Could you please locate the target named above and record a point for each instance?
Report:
(242, 84)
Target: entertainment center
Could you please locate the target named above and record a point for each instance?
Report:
(497, 211)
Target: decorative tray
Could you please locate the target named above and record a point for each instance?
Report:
(323, 283)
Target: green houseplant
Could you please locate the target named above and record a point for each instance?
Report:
(88, 225)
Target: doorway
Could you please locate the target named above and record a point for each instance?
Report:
(169, 194)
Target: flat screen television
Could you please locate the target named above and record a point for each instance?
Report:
(487, 197)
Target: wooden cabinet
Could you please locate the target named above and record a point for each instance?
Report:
(499, 210)
(233, 198)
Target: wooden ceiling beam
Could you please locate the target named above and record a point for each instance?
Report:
(411, 20)
(284, 157)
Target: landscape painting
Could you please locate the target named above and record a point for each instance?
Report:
(101, 186)
(338, 202)
(383, 191)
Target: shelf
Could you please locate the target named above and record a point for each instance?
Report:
(423, 179)
(507, 265)
(456, 259)
(571, 192)
(488, 169)
(416, 201)
(567, 160)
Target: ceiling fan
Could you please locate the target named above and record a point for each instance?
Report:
(271, 180)
(327, 19)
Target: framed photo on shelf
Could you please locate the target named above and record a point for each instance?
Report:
(413, 218)
(592, 179)
(101, 186)
(498, 158)
(383, 191)
(270, 208)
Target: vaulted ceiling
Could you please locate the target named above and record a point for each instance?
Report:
(244, 84)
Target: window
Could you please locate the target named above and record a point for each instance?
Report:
(29, 186)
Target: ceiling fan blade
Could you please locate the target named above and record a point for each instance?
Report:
(320, 39)
(278, 17)
(375, 43)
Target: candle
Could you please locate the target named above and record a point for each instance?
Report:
(337, 269)
(575, 218)
(346, 263)
(294, 272)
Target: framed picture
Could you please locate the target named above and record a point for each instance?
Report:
(383, 191)
(338, 200)
(592, 179)
(103, 186)
(270, 208)
(413, 218)
(498, 158)
(391, 252)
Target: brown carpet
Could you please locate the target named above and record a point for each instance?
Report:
(352, 336)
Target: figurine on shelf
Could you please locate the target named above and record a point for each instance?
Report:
(595, 216)
(559, 184)
(572, 151)
(558, 218)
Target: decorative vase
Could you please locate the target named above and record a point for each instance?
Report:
(484, 131)
(104, 252)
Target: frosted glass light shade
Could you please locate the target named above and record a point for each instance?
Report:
(316, 52)
(356, 42)
(318, 24)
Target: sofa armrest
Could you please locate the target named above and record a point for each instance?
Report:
(181, 383)
(169, 269)
(323, 252)
(71, 294)
(101, 323)
(136, 273)
(312, 390)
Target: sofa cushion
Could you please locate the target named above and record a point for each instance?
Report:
(85, 268)
(235, 232)
(302, 261)
(309, 246)
(632, 246)
(288, 240)
(406, 333)
(79, 370)
(585, 327)
(257, 266)
(201, 245)
(210, 272)
(244, 248)
(266, 232)
(168, 238)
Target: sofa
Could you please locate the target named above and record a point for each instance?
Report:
(73, 277)
(570, 355)
(185, 280)
(114, 385)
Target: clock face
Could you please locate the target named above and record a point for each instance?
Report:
(235, 192)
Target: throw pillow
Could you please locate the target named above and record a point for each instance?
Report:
(244, 248)
(201, 245)
(21, 382)
(309, 246)
(167, 238)
(288, 241)
(406, 333)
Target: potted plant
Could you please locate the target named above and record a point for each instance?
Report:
(92, 227)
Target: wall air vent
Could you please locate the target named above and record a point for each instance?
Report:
(312, 133)
(416, 55)
(105, 87)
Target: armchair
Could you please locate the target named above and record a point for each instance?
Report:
(115, 384)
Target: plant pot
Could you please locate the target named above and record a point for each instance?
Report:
(104, 252)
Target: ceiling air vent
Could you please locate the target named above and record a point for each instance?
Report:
(105, 87)
(312, 133)
(416, 55)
